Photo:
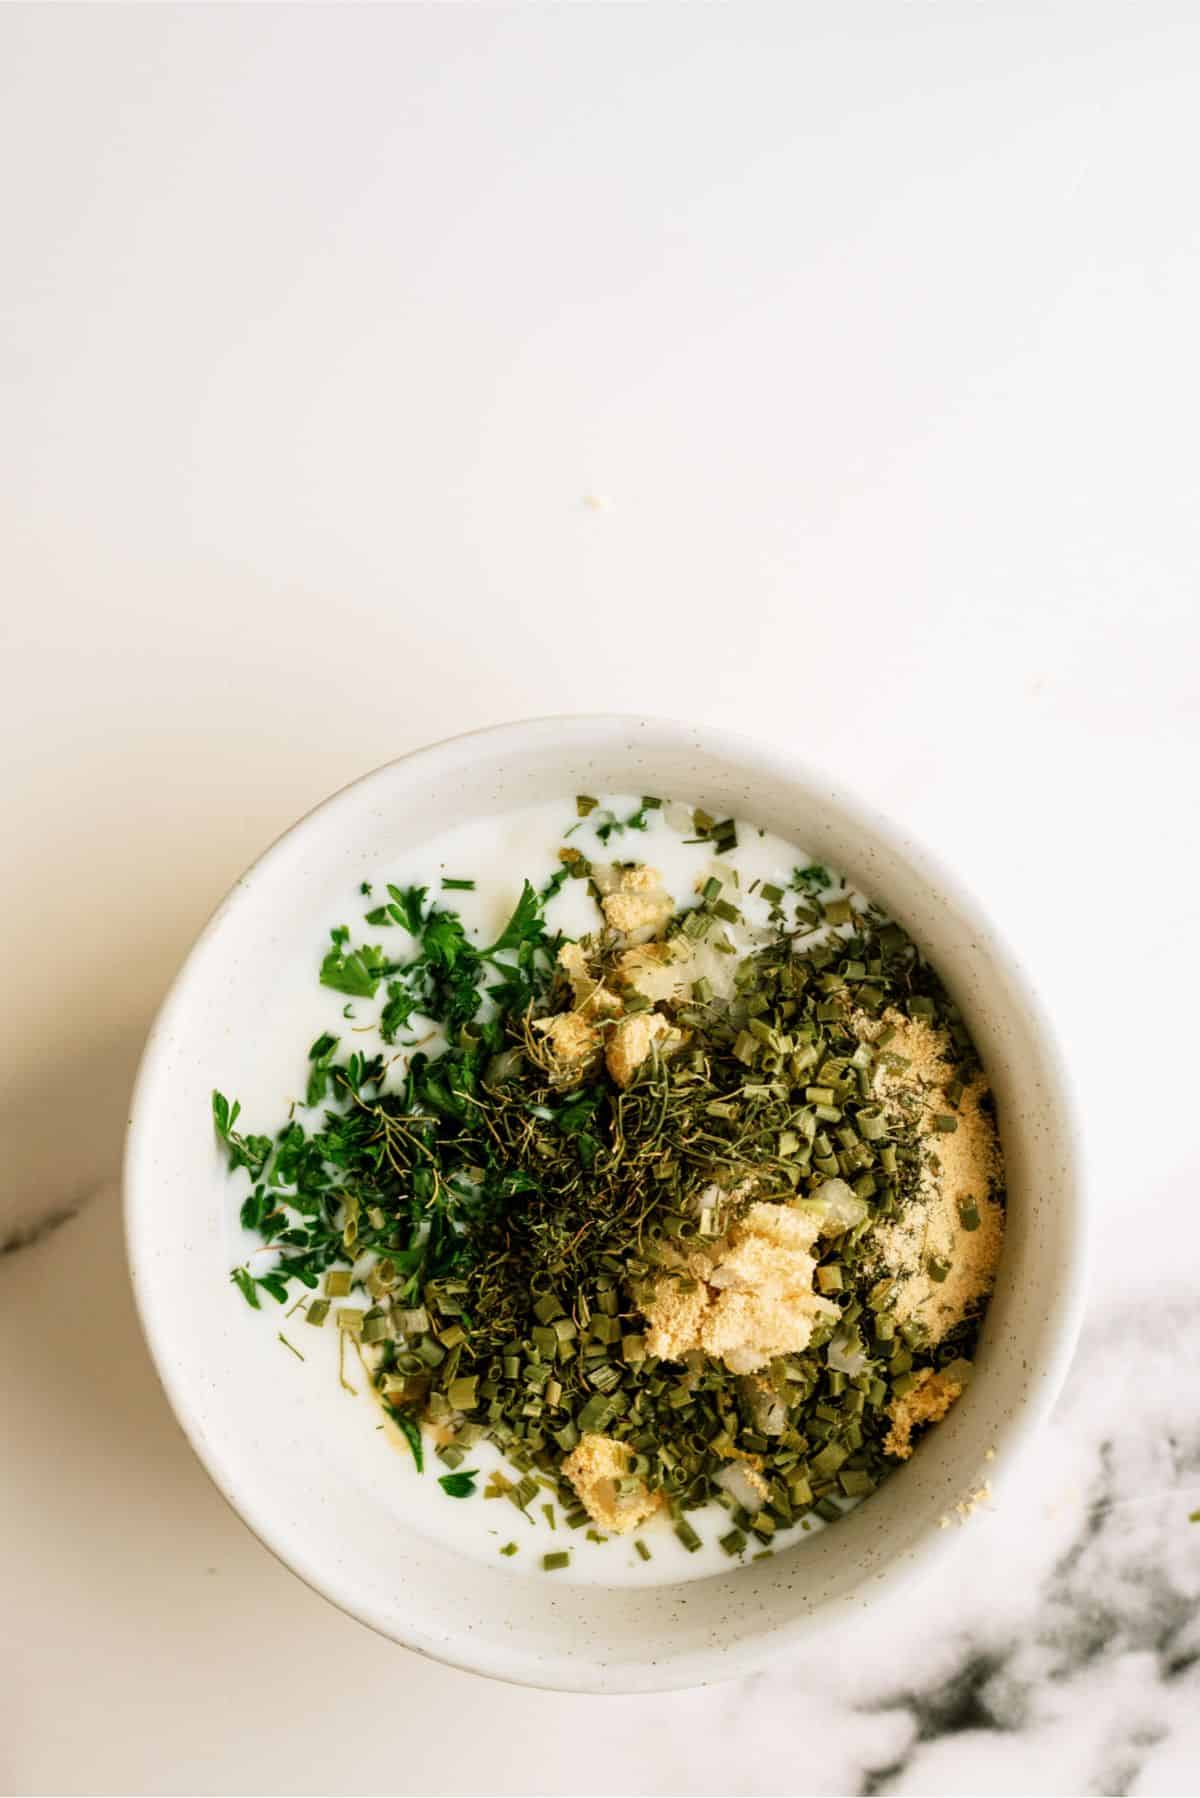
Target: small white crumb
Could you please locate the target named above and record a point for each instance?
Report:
(597, 502)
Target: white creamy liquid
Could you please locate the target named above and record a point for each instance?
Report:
(499, 853)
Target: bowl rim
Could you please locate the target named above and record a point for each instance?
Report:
(754, 757)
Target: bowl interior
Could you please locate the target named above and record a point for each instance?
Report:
(289, 1453)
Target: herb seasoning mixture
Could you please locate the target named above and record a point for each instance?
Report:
(699, 1207)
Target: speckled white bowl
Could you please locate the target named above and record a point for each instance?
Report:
(273, 1442)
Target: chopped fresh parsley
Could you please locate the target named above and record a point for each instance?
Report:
(353, 971)
(811, 879)
(321, 1070)
(461, 1484)
(250, 1152)
(613, 826)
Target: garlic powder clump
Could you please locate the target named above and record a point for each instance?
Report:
(754, 1302)
(572, 1041)
(943, 1248)
(635, 905)
(613, 1497)
(632, 1041)
(639, 905)
(927, 1401)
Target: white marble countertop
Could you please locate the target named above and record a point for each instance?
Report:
(874, 332)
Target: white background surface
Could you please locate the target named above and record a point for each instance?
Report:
(876, 329)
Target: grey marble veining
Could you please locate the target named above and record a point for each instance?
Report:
(1064, 1653)
(1060, 1654)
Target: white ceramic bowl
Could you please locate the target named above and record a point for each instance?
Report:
(282, 1449)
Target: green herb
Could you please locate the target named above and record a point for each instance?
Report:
(249, 1285)
(289, 1345)
(510, 1548)
(411, 1431)
(406, 906)
(552, 1562)
(245, 1285)
(353, 971)
(812, 879)
(643, 1551)
(250, 1152)
(321, 1057)
(637, 820)
(460, 1484)
(457, 886)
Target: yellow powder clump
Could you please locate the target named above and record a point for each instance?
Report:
(926, 1402)
(596, 1468)
(640, 905)
(967, 1507)
(752, 1297)
(659, 971)
(592, 998)
(631, 1041)
(597, 1020)
(572, 1041)
(958, 1170)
